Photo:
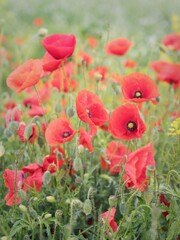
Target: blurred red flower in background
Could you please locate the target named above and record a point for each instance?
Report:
(172, 41)
(118, 46)
(129, 63)
(60, 46)
(26, 75)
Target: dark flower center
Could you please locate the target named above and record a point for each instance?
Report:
(131, 126)
(138, 94)
(66, 134)
(89, 114)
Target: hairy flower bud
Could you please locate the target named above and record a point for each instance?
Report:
(70, 112)
(77, 164)
(23, 208)
(113, 201)
(50, 199)
(87, 207)
(28, 132)
(47, 178)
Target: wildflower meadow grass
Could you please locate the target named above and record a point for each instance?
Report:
(90, 120)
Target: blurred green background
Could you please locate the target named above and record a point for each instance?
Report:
(152, 19)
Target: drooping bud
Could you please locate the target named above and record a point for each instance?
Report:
(42, 32)
(87, 207)
(28, 132)
(148, 196)
(23, 208)
(48, 215)
(113, 201)
(58, 214)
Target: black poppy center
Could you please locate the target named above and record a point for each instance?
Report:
(138, 94)
(131, 126)
(89, 114)
(66, 134)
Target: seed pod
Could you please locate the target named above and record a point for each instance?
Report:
(87, 207)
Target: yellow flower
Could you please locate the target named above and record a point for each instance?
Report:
(174, 128)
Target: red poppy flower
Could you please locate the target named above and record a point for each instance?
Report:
(172, 41)
(51, 163)
(98, 71)
(59, 46)
(164, 200)
(85, 139)
(129, 63)
(38, 22)
(59, 131)
(83, 56)
(32, 136)
(118, 46)
(12, 115)
(167, 72)
(10, 105)
(26, 75)
(109, 215)
(136, 167)
(36, 111)
(115, 154)
(34, 178)
(138, 87)
(49, 63)
(125, 122)
(92, 41)
(13, 180)
(90, 110)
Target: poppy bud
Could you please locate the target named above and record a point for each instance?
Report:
(58, 108)
(47, 178)
(113, 201)
(80, 149)
(58, 214)
(48, 215)
(13, 127)
(5, 238)
(2, 150)
(22, 194)
(28, 132)
(33, 213)
(87, 207)
(50, 199)
(26, 237)
(23, 208)
(77, 164)
(42, 32)
(36, 119)
(70, 112)
(148, 196)
(8, 134)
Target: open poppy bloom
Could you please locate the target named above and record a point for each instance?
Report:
(167, 72)
(109, 216)
(26, 75)
(13, 181)
(85, 139)
(90, 110)
(59, 46)
(138, 87)
(125, 123)
(172, 41)
(59, 131)
(49, 63)
(34, 177)
(115, 154)
(136, 167)
(51, 163)
(118, 47)
(129, 63)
